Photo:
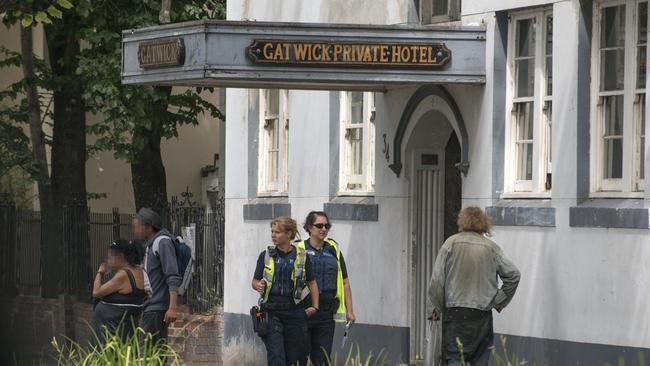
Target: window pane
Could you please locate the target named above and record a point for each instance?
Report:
(524, 124)
(272, 102)
(273, 152)
(525, 58)
(612, 69)
(273, 166)
(525, 77)
(525, 38)
(549, 55)
(642, 41)
(525, 161)
(612, 31)
(612, 48)
(548, 113)
(440, 7)
(355, 141)
(642, 138)
(549, 34)
(643, 23)
(613, 137)
(356, 107)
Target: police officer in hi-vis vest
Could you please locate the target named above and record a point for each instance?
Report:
(331, 274)
(284, 278)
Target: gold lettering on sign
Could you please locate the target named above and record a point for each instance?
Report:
(161, 53)
(328, 53)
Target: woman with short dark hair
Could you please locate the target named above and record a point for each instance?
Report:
(331, 274)
(120, 299)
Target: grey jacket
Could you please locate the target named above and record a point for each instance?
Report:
(162, 269)
(466, 274)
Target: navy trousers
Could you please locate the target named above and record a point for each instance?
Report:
(321, 336)
(287, 342)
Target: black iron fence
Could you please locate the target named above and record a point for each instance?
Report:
(85, 237)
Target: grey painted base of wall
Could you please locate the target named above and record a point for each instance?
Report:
(590, 215)
(394, 341)
(551, 352)
(238, 334)
(352, 209)
(266, 208)
(514, 215)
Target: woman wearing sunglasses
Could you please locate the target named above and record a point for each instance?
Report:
(335, 295)
(119, 301)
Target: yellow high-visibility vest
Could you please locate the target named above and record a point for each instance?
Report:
(339, 316)
(297, 276)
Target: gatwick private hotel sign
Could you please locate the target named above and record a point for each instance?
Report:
(345, 54)
(311, 56)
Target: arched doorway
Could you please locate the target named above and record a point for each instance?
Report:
(432, 151)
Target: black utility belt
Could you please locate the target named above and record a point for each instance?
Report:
(280, 306)
(329, 306)
(326, 306)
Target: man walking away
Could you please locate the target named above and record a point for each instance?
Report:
(464, 289)
(162, 268)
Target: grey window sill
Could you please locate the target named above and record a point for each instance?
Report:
(528, 212)
(352, 209)
(610, 213)
(267, 208)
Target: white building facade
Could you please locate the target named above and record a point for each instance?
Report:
(552, 145)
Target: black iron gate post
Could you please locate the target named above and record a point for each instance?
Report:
(116, 223)
(8, 245)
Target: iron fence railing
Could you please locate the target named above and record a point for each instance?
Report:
(85, 237)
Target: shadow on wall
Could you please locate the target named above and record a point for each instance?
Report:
(242, 350)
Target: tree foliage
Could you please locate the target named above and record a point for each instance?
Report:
(30, 12)
(126, 108)
(15, 147)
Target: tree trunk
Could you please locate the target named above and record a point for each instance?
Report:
(147, 169)
(35, 122)
(69, 132)
(66, 244)
(50, 217)
(165, 10)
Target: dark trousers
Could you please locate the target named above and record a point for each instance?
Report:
(114, 319)
(471, 328)
(287, 342)
(153, 322)
(321, 336)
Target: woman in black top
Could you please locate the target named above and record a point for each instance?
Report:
(119, 301)
(283, 276)
(335, 297)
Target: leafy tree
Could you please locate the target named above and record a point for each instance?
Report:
(66, 183)
(135, 119)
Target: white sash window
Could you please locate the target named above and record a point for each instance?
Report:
(440, 11)
(357, 167)
(530, 102)
(273, 138)
(618, 106)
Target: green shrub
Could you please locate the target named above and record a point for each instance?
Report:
(136, 350)
(356, 358)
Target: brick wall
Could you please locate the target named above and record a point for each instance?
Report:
(32, 322)
(199, 338)
(82, 322)
(30, 325)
